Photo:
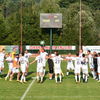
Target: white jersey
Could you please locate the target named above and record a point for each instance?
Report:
(10, 61)
(98, 60)
(70, 63)
(57, 64)
(84, 63)
(70, 60)
(57, 61)
(77, 64)
(2, 55)
(27, 55)
(43, 55)
(23, 60)
(77, 61)
(90, 59)
(39, 60)
(80, 55)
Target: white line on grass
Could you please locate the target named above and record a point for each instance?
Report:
(28, 88)
(46, 97)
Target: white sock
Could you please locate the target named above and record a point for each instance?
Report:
(76, 78)
(67, 73)
(99, 76)
(0, 71)
(56, 79)
(24, 78)
(7, 75)
(44, 71)
(83, 76)
(60, 77)
(37, 77)
(41, 78)
(94, 74)
(86, 78)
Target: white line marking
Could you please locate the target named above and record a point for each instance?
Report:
(25, 93)
(63, 97)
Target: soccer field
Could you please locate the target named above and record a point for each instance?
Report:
(49, 90)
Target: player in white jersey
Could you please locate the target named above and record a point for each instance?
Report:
(98, 70)
(70, 65)
(2, 56)
(15, 69)
(40, 72)
(43, 55)
(23, 64)
(77, 68)
(90, 59)
(84, 63)
(9, 59)
(27, 56)
(80, 53)
(57, 67)
(56, 52)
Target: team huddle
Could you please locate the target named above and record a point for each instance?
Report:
(16, 62)
(19, 64)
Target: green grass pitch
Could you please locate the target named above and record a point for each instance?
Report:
(49, 90)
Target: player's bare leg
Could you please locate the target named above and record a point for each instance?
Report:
(26, 70)
(50, 76)
(62, 73)
(93, 73)
(18, 76)
(23, 78)
(11, 76)
(9, 73)
(41, 77)
(37, 77)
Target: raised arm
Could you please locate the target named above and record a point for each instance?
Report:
(32, 62)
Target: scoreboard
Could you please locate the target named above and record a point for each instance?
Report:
(50, 20)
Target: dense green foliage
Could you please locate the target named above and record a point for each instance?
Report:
(10, 13)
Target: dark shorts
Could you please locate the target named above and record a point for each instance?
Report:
(51, 70)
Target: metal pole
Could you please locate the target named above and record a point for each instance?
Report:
(80, 27)
(50, 40)
(21, 30)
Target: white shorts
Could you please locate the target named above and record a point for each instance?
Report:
(27, 65)
(23, 68)
(1, 64)
(10, 68)
(91, 66)
(57, 69)
(70, 66)
(84, 69)
(44, 64)
(39, 69)
(15, 70)
(98, 69)
(77, 70)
